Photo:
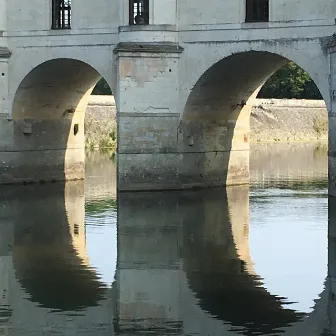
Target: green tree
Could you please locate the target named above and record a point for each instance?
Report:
(290, 82)
(102, 88)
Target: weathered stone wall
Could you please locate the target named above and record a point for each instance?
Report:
(288, 120)
(272, 120)
(100, 121)
(194, 12)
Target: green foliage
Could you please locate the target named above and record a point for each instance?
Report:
(98, 206)
(320, 125)
(290, 82)
(102, 88)
(102, 135)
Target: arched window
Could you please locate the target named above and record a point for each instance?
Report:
(257, 11)
(61, 14)
(138, 12)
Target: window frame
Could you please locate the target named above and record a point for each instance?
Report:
(61, 14)
(257, 11)
(137, 7)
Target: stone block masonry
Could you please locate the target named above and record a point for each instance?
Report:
(184, 84)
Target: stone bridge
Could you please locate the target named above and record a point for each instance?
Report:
(184, 76)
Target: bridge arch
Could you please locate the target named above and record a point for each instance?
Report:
(215, 121)
(48, 112)
(308, 55)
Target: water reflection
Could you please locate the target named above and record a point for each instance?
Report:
(191, 252)
(188, 263)
(47, 281)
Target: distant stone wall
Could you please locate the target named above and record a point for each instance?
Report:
(288, 120)
(272, 120)
(100, 120)
(102, 105)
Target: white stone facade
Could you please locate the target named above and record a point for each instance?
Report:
(183, 85)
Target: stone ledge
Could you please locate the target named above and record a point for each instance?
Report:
(101, 100)
(150, 27)
(5, 52)
(147, 47)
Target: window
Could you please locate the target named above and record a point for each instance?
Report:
(139, 12)
(61, 14)
(257, 11)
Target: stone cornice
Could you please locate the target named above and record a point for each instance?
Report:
(145, 47)
(5, 52)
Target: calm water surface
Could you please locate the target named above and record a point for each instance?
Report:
(241, 261)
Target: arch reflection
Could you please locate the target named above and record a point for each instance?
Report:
(184, 267)
(49, 252)
(46, 275)
(219, 268)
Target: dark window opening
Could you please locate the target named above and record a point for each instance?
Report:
(76, 129)
(257, 11)
(61, 14)
(76, 229)
(138, 12)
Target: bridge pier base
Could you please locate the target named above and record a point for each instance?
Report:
(40, 151)
(331, 106)
(148, 116)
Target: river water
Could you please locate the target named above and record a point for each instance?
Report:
(241, 261)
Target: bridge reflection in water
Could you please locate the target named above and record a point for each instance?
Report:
(183, 268)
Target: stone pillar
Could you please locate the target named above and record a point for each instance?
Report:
(6, 125)
(43, 151)
(147, 115)
(3, 15)
(331, 48)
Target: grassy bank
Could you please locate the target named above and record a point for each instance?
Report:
(100, 135)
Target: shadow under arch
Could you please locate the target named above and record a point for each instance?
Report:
(48, 112)
(215, 124)
(49, 255)
(219, 268)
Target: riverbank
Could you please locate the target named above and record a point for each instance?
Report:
(272, 120)
(100, 123)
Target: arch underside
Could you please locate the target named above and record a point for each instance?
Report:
(216, 118)
(48, 115)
